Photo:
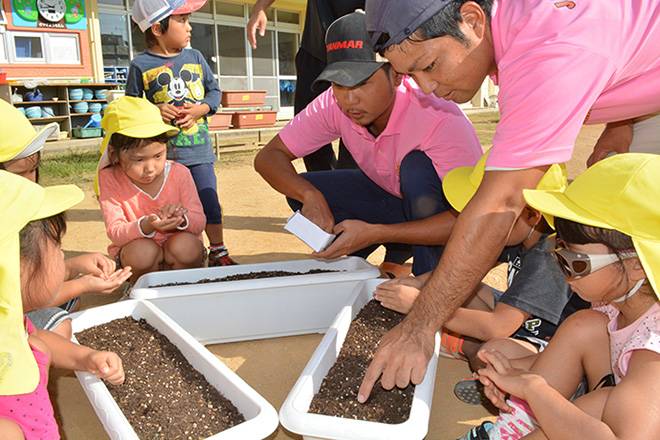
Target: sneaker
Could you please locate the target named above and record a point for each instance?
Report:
(126, 294)
(220, 258)
(470, 391)
(480, 432)
(451, 345)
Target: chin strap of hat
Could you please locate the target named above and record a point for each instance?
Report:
(631, 292)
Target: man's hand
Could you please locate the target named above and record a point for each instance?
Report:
(402, 357)
(191, 113)
(355, 235)
(616, 138)
(259, 20)
(316, 210)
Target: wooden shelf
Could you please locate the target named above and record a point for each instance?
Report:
(60, 90)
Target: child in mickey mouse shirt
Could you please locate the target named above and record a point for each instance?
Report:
(180, 82)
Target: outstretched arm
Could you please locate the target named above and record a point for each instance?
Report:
(478, 238)
(259, 20)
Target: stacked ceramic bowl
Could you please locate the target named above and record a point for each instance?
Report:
(75, 94)
(47, 112)
(100, 93)
(33, 112)
(80, 107)
(95, 107)
(88, 94)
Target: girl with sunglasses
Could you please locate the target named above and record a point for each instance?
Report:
(608, 246)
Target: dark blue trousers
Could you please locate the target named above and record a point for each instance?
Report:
(352, 195)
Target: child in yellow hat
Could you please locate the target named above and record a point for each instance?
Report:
(608, 247)
(31, 272)
(150, 206)
(519, 321)
(20, 153)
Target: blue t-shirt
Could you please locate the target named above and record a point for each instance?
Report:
(183, 78)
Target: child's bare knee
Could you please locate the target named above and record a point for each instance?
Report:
(141, 254)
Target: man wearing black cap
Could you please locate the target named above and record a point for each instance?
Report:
(558, 65)
(403, 142)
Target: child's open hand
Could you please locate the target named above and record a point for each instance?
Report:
(166, 224)
(170, 211)
(105, 285)
(105, 365)
(191, 113)
(398, 294)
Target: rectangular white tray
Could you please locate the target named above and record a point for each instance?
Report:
(231, 311)
(294, 414)
(261, 417)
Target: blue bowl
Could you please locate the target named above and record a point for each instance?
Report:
(21, 109)
(100, 93)
(80, 107)
(33, 112)
(75, 94)
(47, 112)
(88, 94)
(95, 107)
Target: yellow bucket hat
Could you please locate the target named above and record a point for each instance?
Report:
(130, 116)
(460, 184)
(22, 201)
(621, 193)
(19, 138)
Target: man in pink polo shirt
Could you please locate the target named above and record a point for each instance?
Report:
(403, 142)
(559, 64)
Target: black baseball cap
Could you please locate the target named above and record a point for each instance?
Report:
(351, 57)
(392, 21)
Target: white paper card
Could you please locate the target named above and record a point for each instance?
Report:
(310, 233)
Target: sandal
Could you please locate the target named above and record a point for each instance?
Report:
(470, 391)
(393, 270)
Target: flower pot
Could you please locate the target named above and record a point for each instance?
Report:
(294, 414)
(220, 121)
(254, 119)
(260, 416)
(242, 310)
(243, 98)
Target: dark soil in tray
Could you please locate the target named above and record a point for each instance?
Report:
(163, 396)
(248, 276)
(338, 393)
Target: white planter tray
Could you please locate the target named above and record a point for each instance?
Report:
(294, 414)
(230, 311)
(261, 417)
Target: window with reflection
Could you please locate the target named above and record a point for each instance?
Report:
(231, 48)
(203, 40)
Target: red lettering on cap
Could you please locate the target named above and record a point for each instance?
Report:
(346, 44)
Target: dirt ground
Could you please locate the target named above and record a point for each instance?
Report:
(253, 221)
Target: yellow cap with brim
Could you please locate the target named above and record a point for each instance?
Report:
(19, 138)
(22, 201)
(618, 193)
(133, 117)
(460, 184)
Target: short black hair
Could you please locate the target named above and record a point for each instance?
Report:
(150, 39)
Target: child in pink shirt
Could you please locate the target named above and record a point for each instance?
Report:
(150, 206)
(31, 275)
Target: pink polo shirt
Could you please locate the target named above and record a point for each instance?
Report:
(417, 122)
(562, 64)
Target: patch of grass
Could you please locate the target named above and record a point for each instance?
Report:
(484, 124)
(77, 167)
